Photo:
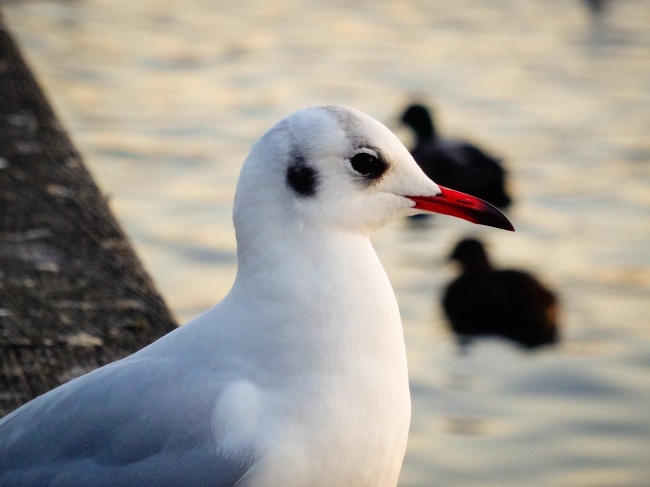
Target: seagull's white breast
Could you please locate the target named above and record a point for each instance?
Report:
(329, 403)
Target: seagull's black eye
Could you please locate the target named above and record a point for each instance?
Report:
(368, 165)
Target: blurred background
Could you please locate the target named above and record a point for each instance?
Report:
(165, 97)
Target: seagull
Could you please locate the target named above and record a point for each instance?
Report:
(455, 163)
(510, 303)
(298, 376)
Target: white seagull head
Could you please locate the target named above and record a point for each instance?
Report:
(336, 167)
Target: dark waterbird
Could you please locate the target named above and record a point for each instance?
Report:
(508, 303)
(456, 164)
(597, 8)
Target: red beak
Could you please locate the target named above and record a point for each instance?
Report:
(461, 205)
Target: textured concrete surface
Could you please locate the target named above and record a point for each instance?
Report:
(73, 294)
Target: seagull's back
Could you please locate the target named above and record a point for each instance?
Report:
(90, 432)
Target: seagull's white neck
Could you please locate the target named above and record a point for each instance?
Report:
(331, 280)
(299, 252)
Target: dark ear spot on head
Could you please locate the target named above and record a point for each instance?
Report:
(302, 178)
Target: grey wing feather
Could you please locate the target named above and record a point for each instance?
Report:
(134, 422)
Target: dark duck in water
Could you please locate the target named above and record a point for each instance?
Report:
(508, 303)
(456, 164)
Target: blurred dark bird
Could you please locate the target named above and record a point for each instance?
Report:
(508, 303)
(455, 163)
(596, 8)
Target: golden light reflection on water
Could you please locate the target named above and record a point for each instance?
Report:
(164, 99)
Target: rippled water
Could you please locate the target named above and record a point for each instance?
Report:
(164, 98)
